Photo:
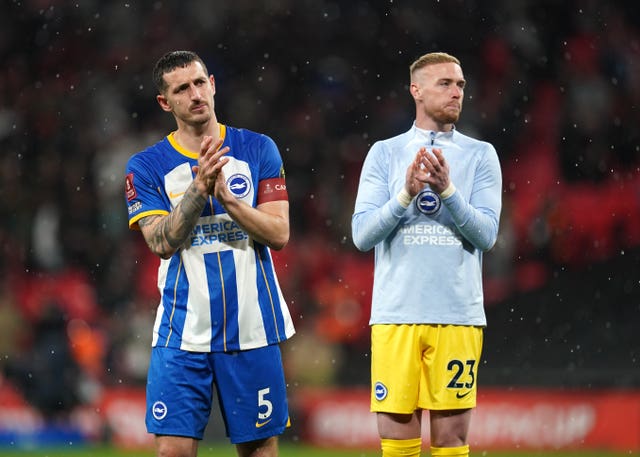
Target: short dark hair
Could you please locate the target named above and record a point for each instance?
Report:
(171, 61)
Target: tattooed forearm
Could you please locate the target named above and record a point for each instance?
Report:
(165, 234)
(178, 225)
(148, 225)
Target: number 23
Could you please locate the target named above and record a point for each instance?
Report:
(457, 366)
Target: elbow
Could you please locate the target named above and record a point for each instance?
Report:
(486, 246)
(278, 245)
(161, 250)
(360, 243)
(359, 246)
(164, 254)
(487, 243)
(487, 238)
(278, 236)
(279, 241)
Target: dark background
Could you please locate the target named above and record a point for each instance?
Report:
(554, 85)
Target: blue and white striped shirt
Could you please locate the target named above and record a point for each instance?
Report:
(219, 292)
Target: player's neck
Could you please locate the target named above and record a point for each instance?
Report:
(434, 126)
(190, 136)
(428, 123)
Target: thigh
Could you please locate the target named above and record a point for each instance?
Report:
(395, 368)
(252, 393)
(179, 393)
(450, 364)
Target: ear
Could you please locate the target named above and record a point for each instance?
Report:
(164, 104)
(415, 91)
(213, 83)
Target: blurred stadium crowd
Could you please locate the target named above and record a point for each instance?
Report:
(555, 86)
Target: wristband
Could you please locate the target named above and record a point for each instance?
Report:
(404, 198)
(448, 192)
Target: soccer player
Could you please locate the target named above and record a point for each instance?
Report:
(429, 201)
(210, 201)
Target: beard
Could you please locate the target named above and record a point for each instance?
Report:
(446, 115)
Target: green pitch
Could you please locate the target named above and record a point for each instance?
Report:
(286, 450)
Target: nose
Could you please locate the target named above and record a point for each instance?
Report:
(195, 92)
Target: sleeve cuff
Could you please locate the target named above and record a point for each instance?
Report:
(448, 192)
(404, 198)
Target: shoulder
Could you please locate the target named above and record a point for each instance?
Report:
(399, 140)
(461, 138)
(480, 153)
(248, 137)
(388, 145)
(149, 155)
(251, 145)
(468, 142)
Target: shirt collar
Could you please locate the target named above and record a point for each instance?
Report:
(429, 135)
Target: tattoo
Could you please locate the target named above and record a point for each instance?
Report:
(146, 221)
(177, 226)
(153, 241)
(168, 228)
(172, 230)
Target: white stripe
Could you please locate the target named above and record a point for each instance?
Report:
(162, 278)
(197, 326)
(250, 318)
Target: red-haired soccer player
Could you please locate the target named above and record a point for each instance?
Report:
(429, 201)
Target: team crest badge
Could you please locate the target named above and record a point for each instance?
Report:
(428, 202)
(239, 185)
(380, 391)
(159, 410)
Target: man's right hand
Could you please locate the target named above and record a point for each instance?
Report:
(210, 163)
(417, 174)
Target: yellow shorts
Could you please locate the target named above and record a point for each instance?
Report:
(422, 366)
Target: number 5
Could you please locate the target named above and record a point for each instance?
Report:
(263, 402)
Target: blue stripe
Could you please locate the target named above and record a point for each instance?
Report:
(223, 300)
(268, 298)
(174, 295)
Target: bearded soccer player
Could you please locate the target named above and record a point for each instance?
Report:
(210, 201)
(429, 202)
